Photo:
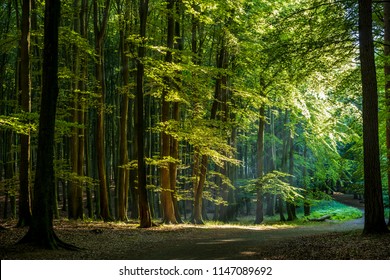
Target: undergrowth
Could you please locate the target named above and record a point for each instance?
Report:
(337, 211)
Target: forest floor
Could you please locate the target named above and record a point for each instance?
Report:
(114, 241)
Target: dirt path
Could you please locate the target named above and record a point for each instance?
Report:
(238, 243)
(241, 242)
(323, 240)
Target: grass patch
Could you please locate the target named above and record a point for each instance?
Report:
(336, 210)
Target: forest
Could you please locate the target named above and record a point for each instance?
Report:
(184, 111)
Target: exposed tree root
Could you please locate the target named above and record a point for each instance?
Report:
(47, 240)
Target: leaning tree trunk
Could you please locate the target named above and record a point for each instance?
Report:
(374, 221)
(41, 230)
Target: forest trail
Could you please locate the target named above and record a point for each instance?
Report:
(238, 242)
(322, 240)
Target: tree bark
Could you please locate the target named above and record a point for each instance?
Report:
(41, 230)
(123, 151)
(144, 209)
(169, 216)
(291, 205)
(306, 205)
(174, 143)
(374, 221)
(387, 90)
(100, 32)
(25, 85)
(260, 166)
(75, 188)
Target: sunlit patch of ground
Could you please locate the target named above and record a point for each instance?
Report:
(100, 240)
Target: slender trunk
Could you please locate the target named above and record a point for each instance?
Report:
(291, 204)
(144, 209)
(123, 151)
(25, 85)
(100, 149)
(306, 206)
(75, 188)
(272, 166)
(387, 90)
(284, 167)
(169, 216)
(198, 192)
(260, 166)
(9, 174)
(176, 117)
(374, 221)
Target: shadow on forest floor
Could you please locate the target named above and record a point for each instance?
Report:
(325, 240)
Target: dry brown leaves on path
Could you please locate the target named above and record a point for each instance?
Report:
(116, 241)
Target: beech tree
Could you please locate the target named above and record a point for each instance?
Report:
(386, 52)
(374, 221)
(41, 230)
(25, 81)
(145, 217)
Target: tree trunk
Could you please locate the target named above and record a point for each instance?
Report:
(169, 216)
(25, 85)
(198, 192)
(176, 117)
(100, 149)
(75, 188)
(144, 209)
(41, 230)
(272, 166)
(306, 205)
(387, 90)
(291, 205)
(123, 151)
(260, 166)
(82, 114)
(374, 221)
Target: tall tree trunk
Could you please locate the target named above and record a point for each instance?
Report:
(25, 85)
(100, 32)
(374, 221)
(82, 112)
(169, 216)
(272, 166)
(291, 205)
(260, 166)
(75, 188)
(123, 151)
(41, 230)
(306, 205)
(179, 45)
(144, 209)
(387, 90)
